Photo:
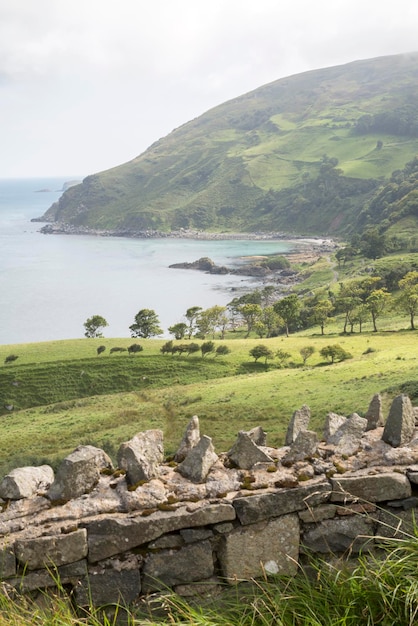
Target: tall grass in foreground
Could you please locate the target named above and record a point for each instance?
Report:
(380, 589)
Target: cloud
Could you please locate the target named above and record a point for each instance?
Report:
(88, 84)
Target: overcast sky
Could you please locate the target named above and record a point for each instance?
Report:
(89, 84)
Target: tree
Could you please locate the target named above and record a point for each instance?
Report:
(288, 309)
(271, 321)
(212, 319)
(207, 347)
(222, 350)
(408, 299)
(306, 352)
(334, 353)
(167, 348)
(93, 326)
(251, 314)
(146, 324)
(178, 330)
(261, 351)
(376, 304)
(191, 315)
(320, 313)
(282, 356)
(134, 348)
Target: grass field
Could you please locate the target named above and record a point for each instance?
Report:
(67, 396)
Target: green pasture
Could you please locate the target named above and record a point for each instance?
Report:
(150, 390)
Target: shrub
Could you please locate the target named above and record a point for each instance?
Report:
(222, 350)
(261, 351)
(101, 349)
(167, 348)
(117, 349)
(335, 353)
(207, 347)
(10, 358)
(134, 348)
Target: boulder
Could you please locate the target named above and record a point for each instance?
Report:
(25, 482)
(400, 425)
(299, 421)
(199, 460)
(353, 428)
(245, 453)
(141, 456)
(79, 473)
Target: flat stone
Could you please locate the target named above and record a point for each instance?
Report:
(198, 462)
(111, 582)
(173, 567)
(7, 562)
(370, 488)
(73, 574)
(270, 546)
(259, 507)
(53, 551)
(340, 535)
(318, 513)
(116, 535)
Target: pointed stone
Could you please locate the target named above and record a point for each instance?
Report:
(299, 421)
(374, 415)
(333, 422)
(303, 448)
(245, 453)
(400, 425)
(190, 439)
(258, 435)
(199, 460)
(141, 456)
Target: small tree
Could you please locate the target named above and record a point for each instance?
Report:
(134, 348)
(376, 304)
(282, 356)
(168, 347)
(408, 299)
(288, 309)
(146, 324)
(320, 313)
(10, 358)
(117, 349)
(94, 325)
(191, 315)
(334, 353)
(222, 350)
(306, 352)
(101, 349)
(261, 352)
(207, 347)
(178, 330)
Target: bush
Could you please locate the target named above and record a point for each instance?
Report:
(222, 350)
(207, 347)
(10, 358)
(101, 349)
(167, 348)
(261, 351)
(117, 349)
(335, 353)
(134, 348)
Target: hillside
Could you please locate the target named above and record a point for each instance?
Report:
(304, 154)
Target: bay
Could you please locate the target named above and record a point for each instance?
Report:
(50, 284)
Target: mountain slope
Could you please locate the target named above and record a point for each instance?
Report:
(302, 154)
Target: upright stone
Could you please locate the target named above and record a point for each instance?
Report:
(352, 428)
(25, 482)
(198, 462)
(304, 448)
(79, 473)
(299, 421)
(374, 415)
(333, 422)
(245, 453)
(190, 439)
(141, 456)
(400, 425)
(258, 435)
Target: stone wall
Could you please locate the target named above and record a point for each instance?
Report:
(202, 520)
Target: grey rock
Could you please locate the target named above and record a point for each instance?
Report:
(400, 425)
(199, 460)
(304, 447)
(192, 535)
(52, 551)
(25, 482)
(167, 568)
(245, 453)
(374, 414)
(190, 439)
(263, 506)
(73, 574)
(111, 582)
(266, 547)
(353, 427)
(258, 435)
(79, 473)
(7, 562)
(299, 421)
(396, 523)
(141, 456)
(353, 533)
(318, 513)
(370, 488)
(333, 422)
(115, 535)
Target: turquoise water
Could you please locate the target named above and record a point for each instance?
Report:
(50, 284)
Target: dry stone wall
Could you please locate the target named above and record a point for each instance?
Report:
(205, 520)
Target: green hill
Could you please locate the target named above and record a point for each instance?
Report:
(304, 154)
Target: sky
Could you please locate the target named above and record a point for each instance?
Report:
(86, 85)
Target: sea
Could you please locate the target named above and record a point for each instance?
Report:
(51, 284)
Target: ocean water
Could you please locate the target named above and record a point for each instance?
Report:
(50, 284)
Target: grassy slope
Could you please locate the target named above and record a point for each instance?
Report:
(214, 171)
(254, 395)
